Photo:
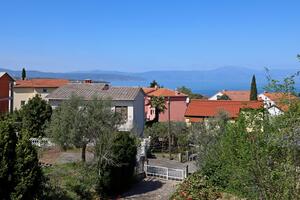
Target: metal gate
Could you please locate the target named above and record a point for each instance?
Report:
(164, 172)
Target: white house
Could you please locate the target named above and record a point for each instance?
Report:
(129, 101)
(276, 102)
(234, 95)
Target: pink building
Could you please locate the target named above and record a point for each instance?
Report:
(178, 104)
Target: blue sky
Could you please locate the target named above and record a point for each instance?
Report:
(128, 35)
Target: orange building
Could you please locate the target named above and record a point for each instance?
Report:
(6, 93)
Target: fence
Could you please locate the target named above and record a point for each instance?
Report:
(166, 173)
(41, 142)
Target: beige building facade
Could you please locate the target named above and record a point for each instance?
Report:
(27, 89)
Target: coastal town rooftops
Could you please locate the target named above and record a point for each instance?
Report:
(281, 99)
(277, 96)
(163, 92)
(90, 91)
(210, 108)
(237, 95)
(40, 83)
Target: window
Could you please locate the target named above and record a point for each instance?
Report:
(123, 110)
(22, 103)
(45, 90)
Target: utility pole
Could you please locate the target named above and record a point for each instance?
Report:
(169, 126)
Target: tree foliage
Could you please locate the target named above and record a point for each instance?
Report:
(23, 74)
(116, 176)
(77, 122)
(20, 174)
(189, 92)
(35, 115)
(159, 136)
(223, 97)
(159, 103)
(257, 157)
(154, 84)
(253, 90)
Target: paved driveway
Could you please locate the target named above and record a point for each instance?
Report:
(151, 189)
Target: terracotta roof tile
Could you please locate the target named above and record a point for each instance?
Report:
(163, 92)
(41, 83)
(277, 96)
(210, 108)
(281, 99)
(148, 90)
(238, 95)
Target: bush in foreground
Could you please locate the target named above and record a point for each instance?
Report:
(115, 177)
(196, 187)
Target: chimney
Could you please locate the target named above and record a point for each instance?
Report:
(105, 87)
(87, 81)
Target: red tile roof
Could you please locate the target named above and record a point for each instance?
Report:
(148, 90)
(281, 99)
(237, 95)
(205, 108)
(163, 92)
(41, 83)
(278, 96)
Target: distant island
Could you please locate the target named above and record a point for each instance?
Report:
(206, 82)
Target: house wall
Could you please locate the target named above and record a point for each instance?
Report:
(128, 126)
(178, 107)
(215, 97)
(149, 111)
(270, 105)
(5, 93)
(267, 101)
(273, 111)
(135, 113)
(24, 94)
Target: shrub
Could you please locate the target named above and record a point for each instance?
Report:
(116, 176)
(196, 187)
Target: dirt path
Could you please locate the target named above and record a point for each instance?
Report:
(151, 189)
(56, 156)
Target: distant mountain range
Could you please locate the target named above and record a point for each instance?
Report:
(205, 81)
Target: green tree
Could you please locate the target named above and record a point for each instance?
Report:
(23, 74)
(20, 175)
(77, 122)
(154, 84)
(159, 136)
(8, 141)
(117, 175)
(189, 92)
(223, 97)
(35, 115)
(159, 103)
(253, 90)
(28, 174)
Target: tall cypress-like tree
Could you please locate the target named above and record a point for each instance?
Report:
(253, 90)
(23, 74)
